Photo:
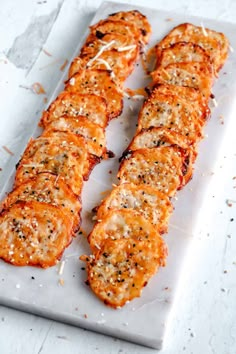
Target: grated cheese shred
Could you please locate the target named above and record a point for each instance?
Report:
(128, 47)
(107, 65)
(99, 53)
(204, 30)
(61, 268)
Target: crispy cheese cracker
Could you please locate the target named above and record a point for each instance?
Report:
(214, 43)
(109, 26)
(196, 74)
(93, 133)
(111, 60)
(169, 111)
(98, 82)
(56, 155)
(139, 20)
(93, 107)
(34, 233)
(191, 95)
(183, 52)
(98, 43)
(130, 252)
(152, 204)
(50, 189)
(154, 137)
(162, 168)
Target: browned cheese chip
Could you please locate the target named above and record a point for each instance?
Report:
(169, 111)
(130, 253)
(154, 137)
(98, 82)
(188, 94)
(93, 133)
(122, 268)
(79, 142)
(197, 75)
(93, 107)
(119, 26)
(111, 60)
(51, 189)
(138, 19)
(97, 40)
(162, 168)
(61, 154)
(34, 233)
(152, 204)
(183, 52)
(119, 224)
(98, 43)
(215, 43)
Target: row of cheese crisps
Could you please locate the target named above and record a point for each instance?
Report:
(126, 241)
(40, 216)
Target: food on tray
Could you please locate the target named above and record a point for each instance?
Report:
(138, 19)
(173, 113)
(187, 94)
(47, 188)
(215, 43)
(158, 162)
(64, 154)
(182, 52)
(122, 268)
(157, 136)
(39, 217)
(198, 75)
(100, 83)
(129, 252)
(34, 233)
(99, 43)
(93, 133)
(91, 106)
(163, 168)
(108, 60)
(152, 204)
(111, 25)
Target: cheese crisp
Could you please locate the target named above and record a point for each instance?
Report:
(119, 26)
(124, 44)
(169, 111)
(152, 204)
(214, 43)
(161, 168)
(157, 136)
(34, 233)
(98, 82)
(50, 189)
(182, 52)
(129, 252)
(92, 132)
(56, 155)
(122, 268)
(196, 74)
(192, 96)
(136, 18)
(112, 60)
(91, 106)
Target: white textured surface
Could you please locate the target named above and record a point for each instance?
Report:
(204, 320)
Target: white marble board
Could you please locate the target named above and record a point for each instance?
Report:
(144, 320)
